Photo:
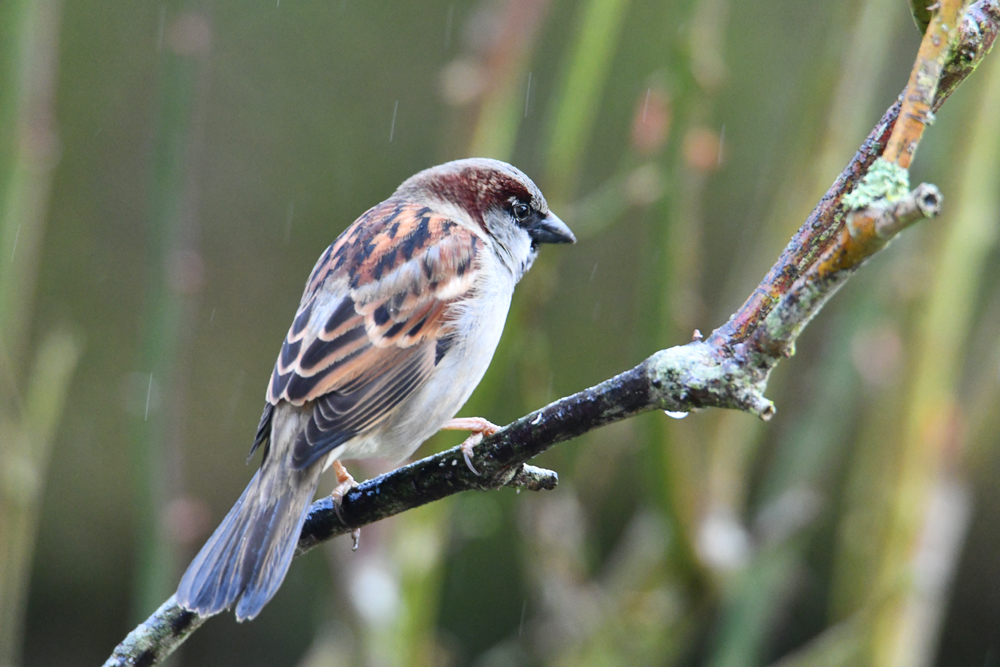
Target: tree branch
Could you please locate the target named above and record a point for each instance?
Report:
(729, 370)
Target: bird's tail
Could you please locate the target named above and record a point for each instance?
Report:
(248, 555)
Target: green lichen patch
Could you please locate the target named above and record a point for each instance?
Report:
(885, 180)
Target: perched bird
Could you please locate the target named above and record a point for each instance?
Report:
(397, 325)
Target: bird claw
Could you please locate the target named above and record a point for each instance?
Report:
(345, 484)
(467, 450)
(480, 427)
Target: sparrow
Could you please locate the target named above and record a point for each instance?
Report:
(397, 325)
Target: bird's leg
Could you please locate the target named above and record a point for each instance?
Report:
(344, 484)
(480, 428)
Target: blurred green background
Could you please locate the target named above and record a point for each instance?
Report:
(169, 172)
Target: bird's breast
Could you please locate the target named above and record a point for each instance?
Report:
(478, 323)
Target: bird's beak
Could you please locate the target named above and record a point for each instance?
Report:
(550, 229)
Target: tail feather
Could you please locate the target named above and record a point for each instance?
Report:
(247, 557)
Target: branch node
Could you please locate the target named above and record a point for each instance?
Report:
(764, 409)
(928, 199)
(521, 476)
(533, 478)
(752, 400)
(888, 219)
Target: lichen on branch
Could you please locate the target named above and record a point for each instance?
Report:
(884, 180)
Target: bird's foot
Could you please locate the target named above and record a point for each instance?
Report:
(344, 484)
(480, 428)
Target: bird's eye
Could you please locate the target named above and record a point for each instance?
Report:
(521, 212)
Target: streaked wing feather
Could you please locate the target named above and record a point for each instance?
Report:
(263, 436)
(373, 321)
(338, 417)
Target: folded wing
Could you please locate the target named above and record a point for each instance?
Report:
(373, 322)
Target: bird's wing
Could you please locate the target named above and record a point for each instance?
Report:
(373, 322)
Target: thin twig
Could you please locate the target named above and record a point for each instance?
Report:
(915, 114)
(977, 31)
